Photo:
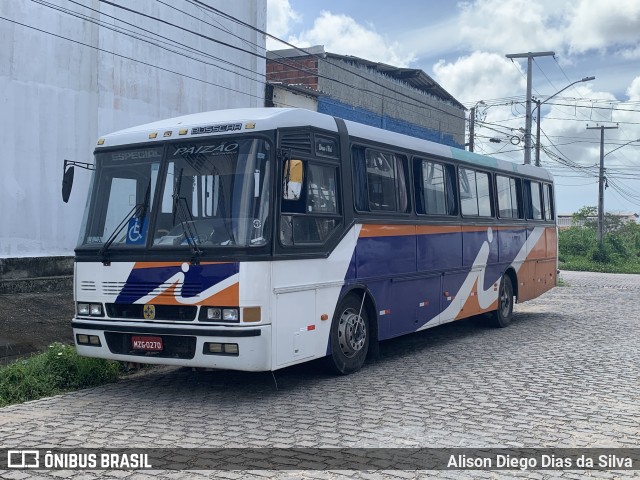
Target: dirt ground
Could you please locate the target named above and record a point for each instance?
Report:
(30, 322)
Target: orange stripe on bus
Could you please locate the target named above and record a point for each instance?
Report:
(387, 230)
(169, 264)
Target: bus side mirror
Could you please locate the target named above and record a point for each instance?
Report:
(67, 181)
(292, 181)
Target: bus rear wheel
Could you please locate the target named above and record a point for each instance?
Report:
(349, 337)
(503, 315)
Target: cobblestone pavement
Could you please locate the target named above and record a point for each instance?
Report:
(566, 373)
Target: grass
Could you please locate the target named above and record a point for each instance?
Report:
(60, 369)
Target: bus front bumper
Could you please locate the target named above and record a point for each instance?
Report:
(233, 348)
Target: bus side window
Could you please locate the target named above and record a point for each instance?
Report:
(548, 202)
(434, 188)
(309, 199)
(475, 193)
(534, 200)
(380, 181)
(508, 190)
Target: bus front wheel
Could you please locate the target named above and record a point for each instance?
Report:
(503, 315)
(349, 336)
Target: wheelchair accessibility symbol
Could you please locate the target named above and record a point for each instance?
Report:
(136, 231)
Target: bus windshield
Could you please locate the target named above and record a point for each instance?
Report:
(213, 192)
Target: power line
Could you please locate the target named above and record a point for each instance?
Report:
(128, 58)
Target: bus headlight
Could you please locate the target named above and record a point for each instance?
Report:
(230, 315)
(90, 309)
(214, 313)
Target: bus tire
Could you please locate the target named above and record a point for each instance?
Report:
(503, 315)
(350, 336)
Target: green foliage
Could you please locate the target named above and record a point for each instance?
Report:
(579, 250)
(59, 369)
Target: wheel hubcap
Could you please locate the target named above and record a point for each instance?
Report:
(352, 333)
(505, 301)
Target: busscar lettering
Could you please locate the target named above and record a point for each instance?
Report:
(217, 149)
(230, 127)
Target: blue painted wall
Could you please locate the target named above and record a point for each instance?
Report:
(333, 107)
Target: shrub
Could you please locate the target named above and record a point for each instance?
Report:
(59, 369)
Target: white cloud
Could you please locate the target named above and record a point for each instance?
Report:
(280, 17)
(633, 92)
(480, 75)
(601, 24)
(509, 27)
(341, 34)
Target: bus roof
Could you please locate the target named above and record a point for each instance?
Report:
(247, 120)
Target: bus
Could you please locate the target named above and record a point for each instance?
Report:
(255, 239)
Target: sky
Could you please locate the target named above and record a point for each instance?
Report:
(462, 45)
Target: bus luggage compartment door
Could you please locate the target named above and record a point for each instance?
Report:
(294, 326)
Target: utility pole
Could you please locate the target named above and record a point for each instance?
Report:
(538, 103)
(601, 183)
(472, 119)
(527, 129)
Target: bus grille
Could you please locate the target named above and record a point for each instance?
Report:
(174, 346)
(299, 141)
(182, 313)
(144, 289)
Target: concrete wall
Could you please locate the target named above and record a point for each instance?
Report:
(57, 97)
(444, 123)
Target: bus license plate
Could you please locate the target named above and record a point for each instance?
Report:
(153, 344)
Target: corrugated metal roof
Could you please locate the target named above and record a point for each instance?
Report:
(411, 76)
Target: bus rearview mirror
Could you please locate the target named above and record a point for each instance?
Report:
(67, 183)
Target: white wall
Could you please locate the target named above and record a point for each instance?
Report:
(58, 97)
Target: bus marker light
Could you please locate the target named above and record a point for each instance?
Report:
(153, 135)
(167, 133)
(101, 141)
(184, 131)
(324, 317)
(251, 314)
(310, 327)
(250, 126)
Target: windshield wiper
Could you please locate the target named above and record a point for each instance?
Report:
(138, 211)
(181, 208)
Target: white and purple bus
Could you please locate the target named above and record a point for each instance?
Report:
(256, 239)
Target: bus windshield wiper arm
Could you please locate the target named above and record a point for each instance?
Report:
(139, 209)
(181, 208)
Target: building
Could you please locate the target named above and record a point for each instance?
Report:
(566, 220)
(66, 80)
(403, 100)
